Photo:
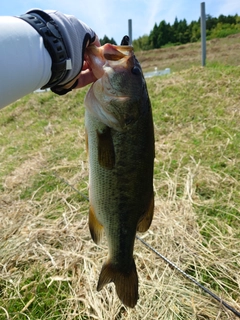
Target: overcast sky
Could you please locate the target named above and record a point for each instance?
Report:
(110, 17)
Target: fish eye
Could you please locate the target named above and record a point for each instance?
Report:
(135, 70)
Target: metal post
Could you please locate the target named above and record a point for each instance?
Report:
(203, 33)
(130, 30)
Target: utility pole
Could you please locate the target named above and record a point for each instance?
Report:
(130, 31)
(203, 33)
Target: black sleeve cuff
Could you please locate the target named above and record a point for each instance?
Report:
(62, 91)
(53, 42)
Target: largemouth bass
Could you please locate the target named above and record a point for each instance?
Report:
(120, 143)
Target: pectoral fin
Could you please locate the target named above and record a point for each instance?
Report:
(146, 219)
(96, 229)
(106, 153)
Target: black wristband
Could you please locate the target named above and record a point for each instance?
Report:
(53, 42)
(60, 90)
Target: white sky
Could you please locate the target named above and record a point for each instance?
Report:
(110, 17)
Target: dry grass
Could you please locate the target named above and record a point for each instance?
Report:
(49, 266)
(62, 251)
(223, 50)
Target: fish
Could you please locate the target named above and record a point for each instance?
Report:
(120, 146)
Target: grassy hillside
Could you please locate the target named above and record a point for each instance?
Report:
(49, 266)
(219, 51)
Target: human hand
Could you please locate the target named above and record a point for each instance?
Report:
(76, 36)
(86, 76)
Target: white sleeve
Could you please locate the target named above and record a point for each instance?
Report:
(25, 64)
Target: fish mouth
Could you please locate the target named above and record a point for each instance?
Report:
(103, 61)
(99, 58)
(109, 51)
(110, 94)
(116, 53)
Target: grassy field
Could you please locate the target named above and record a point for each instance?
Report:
(49, 266)
(223, 51)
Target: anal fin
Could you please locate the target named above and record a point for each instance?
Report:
(126, 283)
(96, 229)
(147, 217)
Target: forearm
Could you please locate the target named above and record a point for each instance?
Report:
(42, 49)
(25, 64)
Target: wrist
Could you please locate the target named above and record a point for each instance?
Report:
(61, 90)
(53, 42)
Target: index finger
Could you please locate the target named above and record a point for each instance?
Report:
(96, 42)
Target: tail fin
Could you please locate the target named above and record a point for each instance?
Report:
(126, 283)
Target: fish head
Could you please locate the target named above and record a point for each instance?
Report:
(117, 97)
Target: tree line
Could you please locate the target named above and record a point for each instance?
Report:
(180, 32)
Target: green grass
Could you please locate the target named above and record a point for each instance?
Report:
(197, 184)
(197, 113)
(38, 291)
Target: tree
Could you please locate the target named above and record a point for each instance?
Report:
(175, 30)
(107, 40)
(180, 32)
(227, 19)
(183, 35)
(153, 37)
(162, 38)
(237, 19)
(194, 30)
(142, 43)
(211, 22)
